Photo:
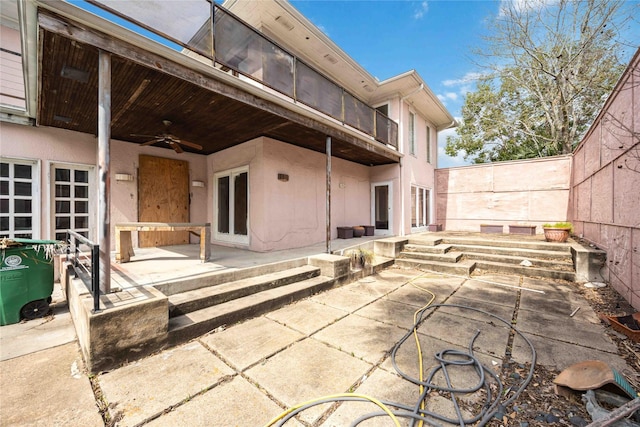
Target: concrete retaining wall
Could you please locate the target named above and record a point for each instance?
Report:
(605, 185)
(523, 192)
(131, 324)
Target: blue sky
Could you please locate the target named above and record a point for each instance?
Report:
(390, 37)
(433, 37)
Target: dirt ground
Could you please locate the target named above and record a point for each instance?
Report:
(538, 404)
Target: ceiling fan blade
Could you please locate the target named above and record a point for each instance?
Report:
(137, 135)
(189, 144)
(153, 141)
(176, 147)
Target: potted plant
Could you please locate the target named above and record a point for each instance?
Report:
(360, 258)
(558, 232)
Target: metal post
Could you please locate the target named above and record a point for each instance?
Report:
(104, 182)
(328, 194)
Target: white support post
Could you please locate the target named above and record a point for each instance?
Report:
(104, 182)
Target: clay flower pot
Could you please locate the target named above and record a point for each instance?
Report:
(556, 235)
(358, 231)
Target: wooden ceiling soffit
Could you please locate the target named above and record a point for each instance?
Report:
(80, 33)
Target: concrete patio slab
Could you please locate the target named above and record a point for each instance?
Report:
(306, 316)
(344, 299)
(558, 299)
(361, 337)
(565, 328)
(503, 311)
(38, 334)
(235, 403)
(492, 339)
(47, 388)
(374, 286)
(308, 370)
(491, 289)
(390, 312)
(381, 385)
(559, 355)
(144, 389)
(415, 293)
(263, 336)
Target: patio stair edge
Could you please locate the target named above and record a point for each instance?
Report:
(197, 299)
(427, 256)
(227, 275)
(187, 326)
(558, 264)
(463, 268)
(437, 249)
(511, 244)
(515, 251)
(526, 271)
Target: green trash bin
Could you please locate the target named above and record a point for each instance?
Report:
(26, 278)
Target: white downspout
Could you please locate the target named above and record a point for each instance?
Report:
(402, 219)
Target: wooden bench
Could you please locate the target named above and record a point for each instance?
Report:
(124, 246)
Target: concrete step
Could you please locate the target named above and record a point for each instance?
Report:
(508, 243)
(438, 249)
(517, 252)
(502, 267)
(557, 264)
(226, 276)
(462, 268)
(426, 256)
(187, 326)
(197, 299)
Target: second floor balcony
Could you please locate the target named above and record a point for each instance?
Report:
(204, 110)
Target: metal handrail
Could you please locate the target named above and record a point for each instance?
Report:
(91, 279)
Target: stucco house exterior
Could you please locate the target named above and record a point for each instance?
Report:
(244, 102)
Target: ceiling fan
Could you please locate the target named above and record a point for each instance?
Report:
(167, 138)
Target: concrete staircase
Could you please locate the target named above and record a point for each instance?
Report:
(201, 305)
(463, 255)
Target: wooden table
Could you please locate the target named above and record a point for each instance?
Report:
(124, 246)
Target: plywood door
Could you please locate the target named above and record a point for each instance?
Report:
(163, 196)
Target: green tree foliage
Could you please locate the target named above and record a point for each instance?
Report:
(551, 65)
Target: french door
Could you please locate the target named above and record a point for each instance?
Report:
(72, 202)
(381, 212)
(231, 206)
(420, 198)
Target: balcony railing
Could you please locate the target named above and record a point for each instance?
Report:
(217, 34)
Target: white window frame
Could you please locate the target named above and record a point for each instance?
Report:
(425, 208)
(230, 237)
(35, 196)
(412, 133)
(429, 155)
(93, 211)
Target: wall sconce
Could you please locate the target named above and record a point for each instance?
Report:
(283, 177)
(124, 177)
(197, 184)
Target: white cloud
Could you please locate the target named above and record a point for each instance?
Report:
(524, 6)
(465, 80)
(445, 161)
(449, 96)
(421, 10)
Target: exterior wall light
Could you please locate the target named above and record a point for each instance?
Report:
(124, 177)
